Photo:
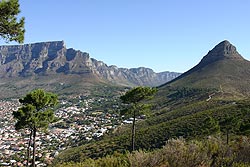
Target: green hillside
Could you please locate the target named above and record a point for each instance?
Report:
(210, 99)
(178, 153)
(223, 75)
(192, 121)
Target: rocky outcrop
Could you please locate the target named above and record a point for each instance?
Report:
(224, 50)
(49, 58)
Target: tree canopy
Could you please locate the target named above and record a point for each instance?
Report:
(137, 94)
(11, 29)
(36, 111)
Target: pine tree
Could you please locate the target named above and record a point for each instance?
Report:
(133, 98)
(35, 114)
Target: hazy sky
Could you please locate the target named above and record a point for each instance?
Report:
(165, 35)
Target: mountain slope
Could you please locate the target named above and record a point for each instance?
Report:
(223, 68)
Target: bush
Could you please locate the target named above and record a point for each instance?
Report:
(210, 152)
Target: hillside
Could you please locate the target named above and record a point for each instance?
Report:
(53, 66)
(191, 107)
(195, 120)
(223, 69)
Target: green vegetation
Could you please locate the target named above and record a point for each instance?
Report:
(36, 113)
(200, 119)
(207, 100)
(10, 28)
(179, 152)
(190, 117)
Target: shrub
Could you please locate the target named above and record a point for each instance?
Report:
(210, 152)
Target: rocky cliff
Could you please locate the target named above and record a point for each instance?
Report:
(224, 50)
(50, 58)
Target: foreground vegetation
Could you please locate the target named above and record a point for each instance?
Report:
(192, 117)
(212, 151)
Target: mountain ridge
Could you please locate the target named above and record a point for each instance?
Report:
(53, 57)
(54, 67)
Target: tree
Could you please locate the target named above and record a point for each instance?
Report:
(229, 123)
(10, 28)
(35, 114)
(133, 98)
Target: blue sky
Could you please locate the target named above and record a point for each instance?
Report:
(165, 35)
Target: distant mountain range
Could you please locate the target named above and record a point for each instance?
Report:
(51, 63)
(223, 68)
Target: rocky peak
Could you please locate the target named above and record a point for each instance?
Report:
(224, 50)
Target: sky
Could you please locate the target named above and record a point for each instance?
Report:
(165, 35)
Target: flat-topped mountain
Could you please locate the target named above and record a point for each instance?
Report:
(223, 68)
(54, 63)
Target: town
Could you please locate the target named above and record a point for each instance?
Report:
(80, 120)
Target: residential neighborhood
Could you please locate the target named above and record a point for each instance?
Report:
(78, 123)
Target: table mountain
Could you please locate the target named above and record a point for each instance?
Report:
(51, 62)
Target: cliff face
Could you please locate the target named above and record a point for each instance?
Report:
(31, 59)
(224, 50)
(49, 58)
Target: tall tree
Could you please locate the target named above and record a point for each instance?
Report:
(22, 116)
(228, 124)
(11, 29)
(133, 98)
(35, 114)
